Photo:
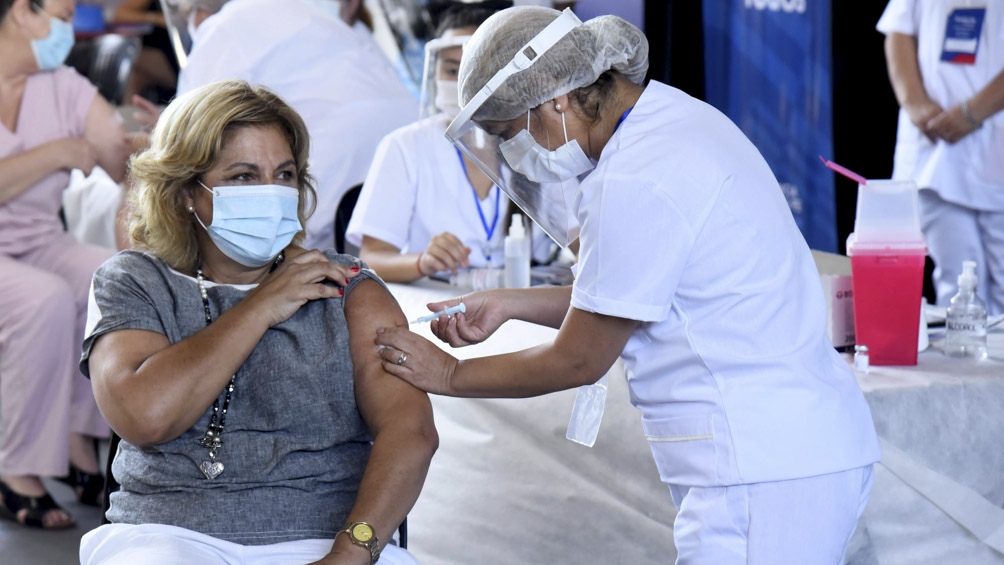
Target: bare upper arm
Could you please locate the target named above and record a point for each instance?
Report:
(104, 130)
(115, 357)
(382, 398)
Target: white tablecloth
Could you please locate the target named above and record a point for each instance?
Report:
(506, 487)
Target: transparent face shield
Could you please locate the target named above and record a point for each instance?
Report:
(440, 92)
(551, 204)
(176, 14)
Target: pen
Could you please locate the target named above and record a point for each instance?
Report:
(447, 312)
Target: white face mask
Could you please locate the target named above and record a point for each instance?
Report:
(448, 97)
(538, 164)
(252, 224)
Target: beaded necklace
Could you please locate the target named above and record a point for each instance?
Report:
(213, 438)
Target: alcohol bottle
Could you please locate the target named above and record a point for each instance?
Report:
(966, 319)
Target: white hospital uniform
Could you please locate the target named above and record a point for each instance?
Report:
(417, 189)
(736, 380)
(962, 212)
(336, 78)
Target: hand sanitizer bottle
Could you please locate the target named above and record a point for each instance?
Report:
(517, 255)
(966, 321)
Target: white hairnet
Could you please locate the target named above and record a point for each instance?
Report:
(577, 60)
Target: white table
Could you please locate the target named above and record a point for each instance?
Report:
(506, 487)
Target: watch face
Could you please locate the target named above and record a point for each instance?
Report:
(362, 532)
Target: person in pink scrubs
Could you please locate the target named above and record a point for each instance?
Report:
(52, 120)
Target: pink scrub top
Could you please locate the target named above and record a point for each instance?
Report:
(54, 106)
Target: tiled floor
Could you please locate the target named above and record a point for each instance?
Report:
(29, 546)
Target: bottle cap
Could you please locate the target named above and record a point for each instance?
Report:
(968, 277)
(517, 229)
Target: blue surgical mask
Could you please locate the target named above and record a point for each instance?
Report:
(538, 164)
(51, 51)
(252, 224)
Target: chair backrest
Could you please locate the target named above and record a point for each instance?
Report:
(342, 216)
(106, 61)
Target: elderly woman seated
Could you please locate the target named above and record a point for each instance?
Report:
(239, 368)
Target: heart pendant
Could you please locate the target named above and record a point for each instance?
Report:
(211, 469)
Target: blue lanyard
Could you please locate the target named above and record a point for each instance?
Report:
(489, 230)
(623, 117)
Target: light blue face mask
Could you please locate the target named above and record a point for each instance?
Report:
(252, 224)
(51, 51)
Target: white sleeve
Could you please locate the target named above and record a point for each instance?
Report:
(634, 245)
(387, 200)
(900, 16)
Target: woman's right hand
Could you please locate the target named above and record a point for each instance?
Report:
(485, 312)
(445, 253)
(298, 280)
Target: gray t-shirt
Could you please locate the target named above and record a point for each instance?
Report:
(294, 444)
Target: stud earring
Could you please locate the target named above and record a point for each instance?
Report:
(557, 107)
(191, 208)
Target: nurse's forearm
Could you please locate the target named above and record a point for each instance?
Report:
(904, 70)
(586, 346)
(988, 100)
(541, 305)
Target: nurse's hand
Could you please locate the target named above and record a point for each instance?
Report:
(921, 114)
(485, 312)
(951, 125)
(445, 253)
(411, 357)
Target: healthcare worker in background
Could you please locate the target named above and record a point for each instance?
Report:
(322, 65)
(946, 66)
(424, 208)
(690, 267)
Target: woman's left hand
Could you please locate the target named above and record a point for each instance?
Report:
(337, 557)
(411, 357)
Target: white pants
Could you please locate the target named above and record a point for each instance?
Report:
(157, 544)
(794, 522)
(955, 234)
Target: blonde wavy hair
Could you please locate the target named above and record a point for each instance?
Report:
(185, 144)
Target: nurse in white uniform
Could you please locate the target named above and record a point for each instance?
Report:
(424, 207)
(690, 267)
(946, 65)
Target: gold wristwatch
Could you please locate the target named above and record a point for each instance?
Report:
(363, 535)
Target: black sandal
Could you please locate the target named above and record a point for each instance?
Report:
(37, 507)
(89, 488)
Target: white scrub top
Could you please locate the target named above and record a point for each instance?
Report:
(417, 189)
(971, 171)
(685, 228)
(336, 78)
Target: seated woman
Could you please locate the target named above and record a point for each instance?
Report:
(52, 120)
(425, 207)
(239, 368)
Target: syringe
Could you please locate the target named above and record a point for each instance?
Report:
(447, 312)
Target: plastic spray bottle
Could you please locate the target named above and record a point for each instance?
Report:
(517, 255)
(966, 320)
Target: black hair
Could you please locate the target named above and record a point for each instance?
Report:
(594, 98)
(454, 15)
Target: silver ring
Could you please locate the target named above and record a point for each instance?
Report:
(402, 358)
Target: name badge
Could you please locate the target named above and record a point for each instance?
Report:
(962, 35)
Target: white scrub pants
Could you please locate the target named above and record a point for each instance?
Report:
(955, 234)
(158, 544)
(794, 522)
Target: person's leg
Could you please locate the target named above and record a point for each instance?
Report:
(154, 544)
(807, 520)
(778, 523)
(953, 236)
(711, 525)
(75, 263)
(992, 227)
(308, 551)
(36, 317)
